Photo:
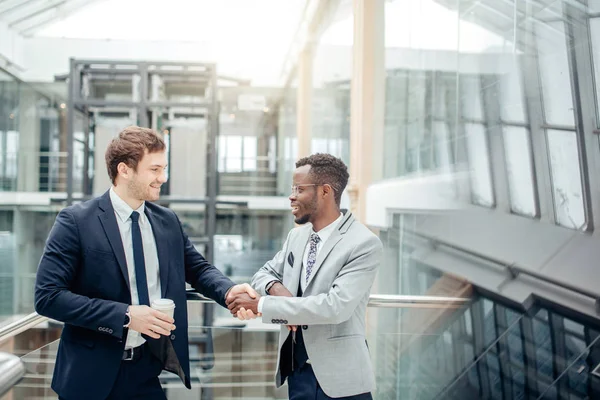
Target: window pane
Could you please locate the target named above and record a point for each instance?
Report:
(595, 34)
(512, 97)
(250, 149)
(594, 5)
(442, 146)
(222, 153)
(319, 145)
(233, 157)
(470, 97)
(554, 73)
(517, 148)
(479, 165)
(566, 179)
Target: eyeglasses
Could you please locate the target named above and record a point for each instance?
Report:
(295, 187)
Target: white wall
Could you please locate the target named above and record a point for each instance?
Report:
(187, 168)
(11, 49)
(424, 194)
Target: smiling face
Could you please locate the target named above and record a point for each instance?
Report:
(305, 200)
(143, 184)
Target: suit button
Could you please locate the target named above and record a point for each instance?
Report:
(305, 327)
(172, 337)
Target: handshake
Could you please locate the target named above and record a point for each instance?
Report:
(242, 301)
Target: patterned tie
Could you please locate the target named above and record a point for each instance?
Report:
(312, 254)
(138, 258)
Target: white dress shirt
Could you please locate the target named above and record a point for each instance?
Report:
(123, 213)
(324, 234)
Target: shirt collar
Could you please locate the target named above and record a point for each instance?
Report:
(122, 209)
(328, 230)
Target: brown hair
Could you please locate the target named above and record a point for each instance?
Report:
(129, 147)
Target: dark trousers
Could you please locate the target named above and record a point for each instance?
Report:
(138, 379)
(303, 385)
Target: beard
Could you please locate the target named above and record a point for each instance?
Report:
(302, 219)
(140, 191)
(311, 209)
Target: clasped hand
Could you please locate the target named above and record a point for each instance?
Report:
(244, 304)
(242, 301)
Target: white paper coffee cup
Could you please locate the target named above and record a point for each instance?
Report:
(166, 306)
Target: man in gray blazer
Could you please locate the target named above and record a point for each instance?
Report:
(317, 287)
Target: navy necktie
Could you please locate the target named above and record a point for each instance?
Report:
(138, 258)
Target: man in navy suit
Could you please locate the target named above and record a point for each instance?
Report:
(105, 261)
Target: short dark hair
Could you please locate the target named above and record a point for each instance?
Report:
(327, 169)
(129, 147)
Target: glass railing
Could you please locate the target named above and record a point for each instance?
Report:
(27, 338)
(237, 359)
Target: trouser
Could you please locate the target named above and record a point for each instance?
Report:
(303, 385)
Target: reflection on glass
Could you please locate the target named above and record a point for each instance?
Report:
(479, 165)
(517, 148)
(511, 99)
(566, 178)
(443, 144)
(471, 97)
(554, 73)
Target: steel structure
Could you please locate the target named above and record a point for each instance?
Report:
(130, 87)
(93, 83)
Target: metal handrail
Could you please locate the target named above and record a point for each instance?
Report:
(514, 270)
(21, 325)
(375, 300)
(380, 300)
(12, 370)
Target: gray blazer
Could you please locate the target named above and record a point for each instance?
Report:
(333, 305)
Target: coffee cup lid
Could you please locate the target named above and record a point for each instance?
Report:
(163, 303)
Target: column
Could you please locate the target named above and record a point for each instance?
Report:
(367, 101)
(304, 100)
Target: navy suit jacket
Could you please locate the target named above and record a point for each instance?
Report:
(82, 280)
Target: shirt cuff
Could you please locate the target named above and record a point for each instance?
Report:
(260, 304)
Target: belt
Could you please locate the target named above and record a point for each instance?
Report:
(133, 354)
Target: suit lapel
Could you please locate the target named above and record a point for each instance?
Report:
(328, 246)
(161, 238)
(298, 250)
(111, 229)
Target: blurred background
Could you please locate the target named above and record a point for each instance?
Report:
(470, 128)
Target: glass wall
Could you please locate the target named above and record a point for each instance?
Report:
(287, 140)
(247, 144)
(487, 86)
(331, 86)
(9, 137)
(33, 148)
(486, 350)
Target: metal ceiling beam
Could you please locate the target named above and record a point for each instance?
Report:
(35, 14)
(16, 7)
(63, 11)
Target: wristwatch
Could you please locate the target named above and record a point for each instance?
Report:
(127, 319)
(270, 285)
